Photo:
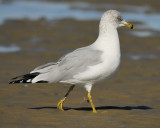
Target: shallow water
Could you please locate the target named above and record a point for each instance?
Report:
(12, 48)
(142, 56)
(143, 33)
(77, 10)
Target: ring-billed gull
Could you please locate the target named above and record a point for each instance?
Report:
(84, 66)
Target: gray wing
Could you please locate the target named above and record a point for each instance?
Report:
(45, 65)
(44, 68)
(78, 61)
(68, 66)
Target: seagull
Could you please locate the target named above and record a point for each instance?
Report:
(87, 65)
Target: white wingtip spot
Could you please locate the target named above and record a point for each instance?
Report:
(29, 80)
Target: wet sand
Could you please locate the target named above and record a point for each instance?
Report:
(130, 99)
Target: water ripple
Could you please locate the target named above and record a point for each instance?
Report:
(12, 48)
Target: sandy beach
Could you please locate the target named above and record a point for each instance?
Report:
(130, 99)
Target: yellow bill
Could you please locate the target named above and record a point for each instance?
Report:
(129, 25)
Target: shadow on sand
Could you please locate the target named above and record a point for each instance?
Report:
(98, 108)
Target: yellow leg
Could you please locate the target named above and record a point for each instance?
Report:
(60, 103)
(92, 105)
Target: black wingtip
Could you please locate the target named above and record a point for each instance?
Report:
(11, 82)
(24, 78)
(42, 81)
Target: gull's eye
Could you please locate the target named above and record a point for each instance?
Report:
(119, 18)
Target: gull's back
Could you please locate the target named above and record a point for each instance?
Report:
(68, 66)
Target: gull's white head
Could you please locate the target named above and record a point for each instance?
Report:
(114, 18)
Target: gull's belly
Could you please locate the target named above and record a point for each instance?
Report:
(101, 71)
(109, 68)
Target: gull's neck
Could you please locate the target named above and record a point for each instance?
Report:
(108, 39)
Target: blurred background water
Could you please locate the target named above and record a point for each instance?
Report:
(34, 10)
(77, 10)
(146, 20)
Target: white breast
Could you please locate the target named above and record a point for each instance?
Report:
(108, 43)
(101, 71)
